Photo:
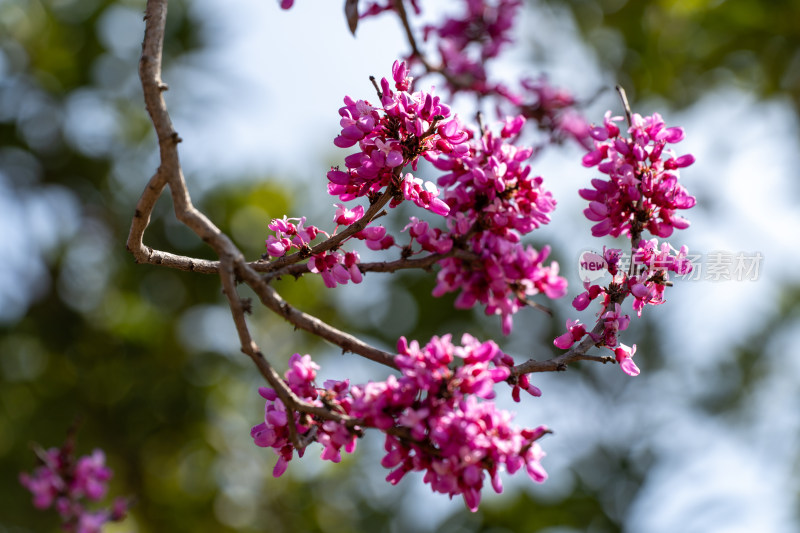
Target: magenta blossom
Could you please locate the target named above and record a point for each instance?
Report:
(624, 356)
(392, 136)
(575, 332)
(642, 189)
(494, 201)
(468, 40)
(345, 216)
(436, 416)
(290, 233)
(67, 484)
(336, 268)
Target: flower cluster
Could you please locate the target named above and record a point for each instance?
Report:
(641, 194)
(494, 200)
(274, 432)
(392, 136)
(642, 189)
(489, 197)
(554, 110)
(646, 281)
(436, 417)
(336, 268)
(429, 238)
(66, 484)
(465, 42)
(289, 235)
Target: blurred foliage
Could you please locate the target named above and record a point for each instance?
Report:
(135, 352)
(679, 49)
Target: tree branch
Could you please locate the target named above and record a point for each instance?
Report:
(574, 354)
(169, 172)
(274, 302)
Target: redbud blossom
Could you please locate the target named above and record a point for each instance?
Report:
(575, 332)
(65, 484)
(494, 200)
(465, 42)
(642, 190)
(392, 136)
(624, 355)
(454, 434)
(346, 216)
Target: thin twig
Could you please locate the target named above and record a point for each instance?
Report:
(274, 302)
(626, 106)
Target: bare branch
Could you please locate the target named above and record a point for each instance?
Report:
(274, 302)
(170, 172)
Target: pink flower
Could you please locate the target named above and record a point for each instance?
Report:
(642, 189)
(66, 484)
(424, 195)
(431, 239)
(335, 268)
(494, 201)
(91, 475)
(405, 127)
(347, 216)
(447, 430)
(624, 356)
(575, 332)
(289, 235)
(554, 110)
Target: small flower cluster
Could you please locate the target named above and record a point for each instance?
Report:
(554, 110)
(66, 484)
(432, 416)
(646, 284)
(466, 42)
(392, 136)
(334, 267)
(430, 239)
(494, 200)
(289, 235)
(642, 189)
(642, 193)
(274, 431)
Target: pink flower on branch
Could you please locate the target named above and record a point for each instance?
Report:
(336, 268)
(554, 110)
(624, 356)
(391, 137)
(467, 41)
(66, 484)
(436, 416)
(494, 201)
(290, 233)
(642, 190)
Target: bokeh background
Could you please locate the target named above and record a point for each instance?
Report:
(706, 439)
